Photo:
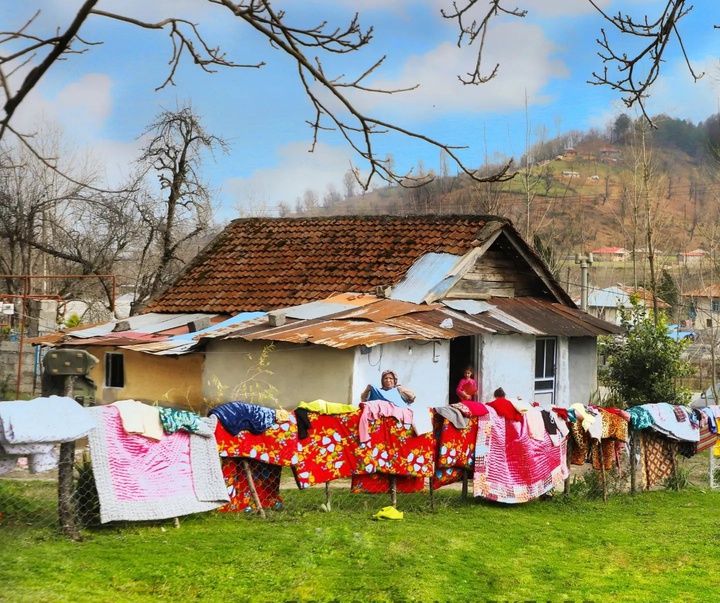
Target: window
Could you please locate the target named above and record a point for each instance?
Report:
(716, 305)
(114, 370)
(708, 322)
(545, 352)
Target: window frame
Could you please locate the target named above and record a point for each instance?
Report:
(112, 367)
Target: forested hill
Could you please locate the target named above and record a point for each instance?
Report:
(582, 190)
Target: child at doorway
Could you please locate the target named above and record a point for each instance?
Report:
(467, 387)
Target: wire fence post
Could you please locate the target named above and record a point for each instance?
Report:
(633, 461)
(66, 507)
(566, 485)
(253, 489)
(393, 491)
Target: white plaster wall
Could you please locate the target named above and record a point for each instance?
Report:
(582, 369)
(422, 367)
(300, 373)
(506, 361)
(562, 373)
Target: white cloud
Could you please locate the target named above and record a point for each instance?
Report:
(296, 171)
(82, 106)
(676, 94)
(526, 65)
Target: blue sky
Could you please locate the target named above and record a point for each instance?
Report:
(104, 98)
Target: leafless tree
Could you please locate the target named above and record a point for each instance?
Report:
(349, 183)
(332, 196)
(57, 225)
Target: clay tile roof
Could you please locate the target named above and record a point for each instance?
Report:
(260, 264)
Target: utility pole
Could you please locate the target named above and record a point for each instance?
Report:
(585, 262)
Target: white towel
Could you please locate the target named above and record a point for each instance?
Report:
(141, 419)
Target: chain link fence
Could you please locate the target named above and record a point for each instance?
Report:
(29, 503)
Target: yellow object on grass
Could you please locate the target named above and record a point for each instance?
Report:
(388, 513)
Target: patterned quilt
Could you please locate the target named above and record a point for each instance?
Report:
(510, 466)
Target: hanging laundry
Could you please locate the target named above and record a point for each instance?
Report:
(394, 448)
(277, 445)
(32, 428)
(141, 419)
(304, 425)
(505, 408)
(585, 415)
(456, 447)
(381, 408)
(511, 467)
(328, 408)
(477, 409)
(329, 452)
(241, 416)
(266, 479)
(614, 435)
(666, 423)
(454, 415)
(141, 479)
(173, 419)
(658, 455)
(535, 424)
(640, 417)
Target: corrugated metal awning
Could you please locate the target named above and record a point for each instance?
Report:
(374, 321)
(545, 317)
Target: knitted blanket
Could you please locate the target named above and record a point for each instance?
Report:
(142, 479)
(510, 466)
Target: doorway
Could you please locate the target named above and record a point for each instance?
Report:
(463, 352)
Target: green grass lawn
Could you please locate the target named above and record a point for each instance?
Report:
(655, 546)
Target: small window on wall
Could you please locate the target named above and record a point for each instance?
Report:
(708, 322)
(716, 305)
(114, 370)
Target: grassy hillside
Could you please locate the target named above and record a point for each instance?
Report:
(578, 202)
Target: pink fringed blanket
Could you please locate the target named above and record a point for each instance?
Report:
(142, 479)
(510, 466)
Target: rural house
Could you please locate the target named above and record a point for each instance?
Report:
(344, 298)
(703, 307)
(608, 303)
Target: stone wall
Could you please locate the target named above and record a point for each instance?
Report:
(9, 351)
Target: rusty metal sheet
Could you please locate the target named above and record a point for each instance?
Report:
(550, 318)
(340, 334)
(440, 324)
(383, 309)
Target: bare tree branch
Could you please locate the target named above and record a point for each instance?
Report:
(637, 72)
(470, 32)
(59, 45)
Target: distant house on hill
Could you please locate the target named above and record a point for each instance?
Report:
(609, 152)
(610, 254)
(570, 153)
(693, 258)
(607, 303)
(703, 306)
